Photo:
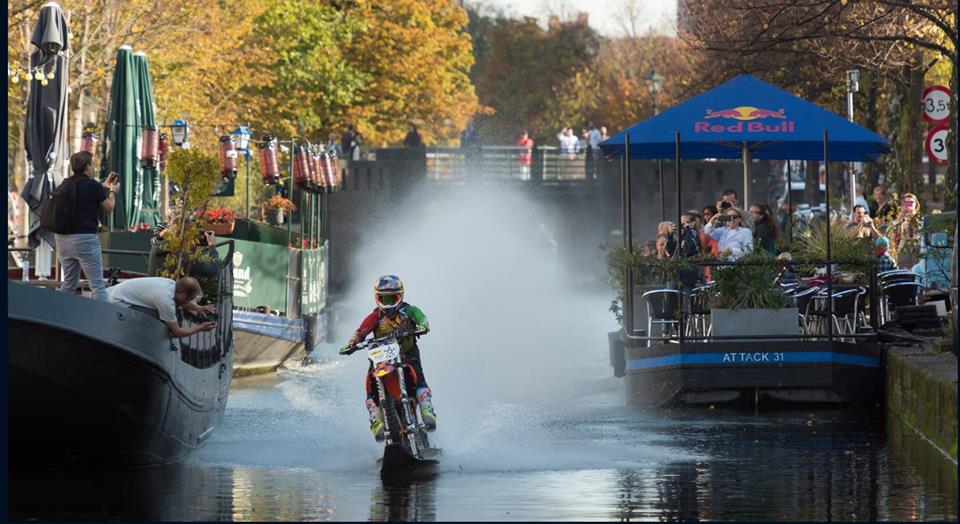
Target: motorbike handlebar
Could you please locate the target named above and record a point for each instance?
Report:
(389, 336)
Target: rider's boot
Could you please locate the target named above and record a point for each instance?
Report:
(429, 416)
(376, 420)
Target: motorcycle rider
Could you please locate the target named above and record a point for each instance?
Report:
(391, 314)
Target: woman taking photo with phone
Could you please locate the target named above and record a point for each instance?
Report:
(733, 239)
(79, 247)
(906, 232)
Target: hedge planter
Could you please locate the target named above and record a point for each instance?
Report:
(755, 322)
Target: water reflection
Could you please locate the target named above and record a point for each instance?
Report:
(797, 466)
(820, 466)
(404, 499)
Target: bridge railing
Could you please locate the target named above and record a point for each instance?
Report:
(506, 163)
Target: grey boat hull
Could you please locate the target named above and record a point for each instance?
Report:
(96, 383)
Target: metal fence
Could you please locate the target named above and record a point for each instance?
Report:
(510, 163)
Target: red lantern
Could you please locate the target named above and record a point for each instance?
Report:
(329, 181)
(301, 166)
(314, 173)
(269, 167)
(150, 148)
(228, 157)
(163, 149)
(88, 143)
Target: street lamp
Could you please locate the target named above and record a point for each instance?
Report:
(181, 133)
(655, 85)
(241, 138)
(853, 86)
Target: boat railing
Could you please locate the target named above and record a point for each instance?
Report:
(209, 348)
(828, 292)
(206, 348)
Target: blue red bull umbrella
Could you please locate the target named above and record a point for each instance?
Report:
(747, 115)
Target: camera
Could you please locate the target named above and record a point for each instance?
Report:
(725, 205)
(723, 219)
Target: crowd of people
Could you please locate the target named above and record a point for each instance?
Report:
(726, 231)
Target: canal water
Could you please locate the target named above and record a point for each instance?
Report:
(565, 446)
(532, 424)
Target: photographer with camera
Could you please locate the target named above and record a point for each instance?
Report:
(78, 245)
(689, 247)
(734, 240)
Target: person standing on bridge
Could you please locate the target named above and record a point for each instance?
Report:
(525, 155)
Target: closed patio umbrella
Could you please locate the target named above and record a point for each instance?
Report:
(121, 141)
(150, 194)
(45, 129)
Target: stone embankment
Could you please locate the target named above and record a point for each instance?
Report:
(921, 391)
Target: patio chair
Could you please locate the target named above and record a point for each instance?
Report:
(662, 306)
(899, 294)
(698, 321)
(844, 306)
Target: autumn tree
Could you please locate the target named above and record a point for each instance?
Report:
(536, 79)
(808, 44)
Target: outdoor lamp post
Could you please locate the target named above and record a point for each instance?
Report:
(88, 142)
(241, 137)
(181, 133)
(853, 86)
(655, 85)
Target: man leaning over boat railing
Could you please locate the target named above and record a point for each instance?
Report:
(164, 295)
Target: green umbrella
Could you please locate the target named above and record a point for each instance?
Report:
(121, 143)
(150, 195)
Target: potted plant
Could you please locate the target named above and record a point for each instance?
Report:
(746, 301)
(221, 220)
(274, 209)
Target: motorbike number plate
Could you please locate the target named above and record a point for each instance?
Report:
(384, 353)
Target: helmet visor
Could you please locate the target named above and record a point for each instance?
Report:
(388, 299)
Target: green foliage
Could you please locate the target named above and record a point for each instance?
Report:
(854, 255)
(197, 175)
(312, 83)
(747, 286)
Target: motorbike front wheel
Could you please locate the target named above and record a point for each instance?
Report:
(392, 419)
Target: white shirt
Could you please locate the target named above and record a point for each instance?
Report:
(150, 292)
(568, 143)
(739, 241)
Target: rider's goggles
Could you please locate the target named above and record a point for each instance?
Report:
(389, 299)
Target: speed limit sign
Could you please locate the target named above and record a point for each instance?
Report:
(936, 144)
(936, 104)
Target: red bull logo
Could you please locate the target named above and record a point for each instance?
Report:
(742, 114)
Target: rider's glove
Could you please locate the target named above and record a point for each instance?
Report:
(422, 328)
(347, 349)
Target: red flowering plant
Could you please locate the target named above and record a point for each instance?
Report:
(220, 215)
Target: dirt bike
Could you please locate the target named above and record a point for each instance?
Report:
(405, 435)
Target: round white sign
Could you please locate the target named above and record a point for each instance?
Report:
(936, 144)
(936, 104)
